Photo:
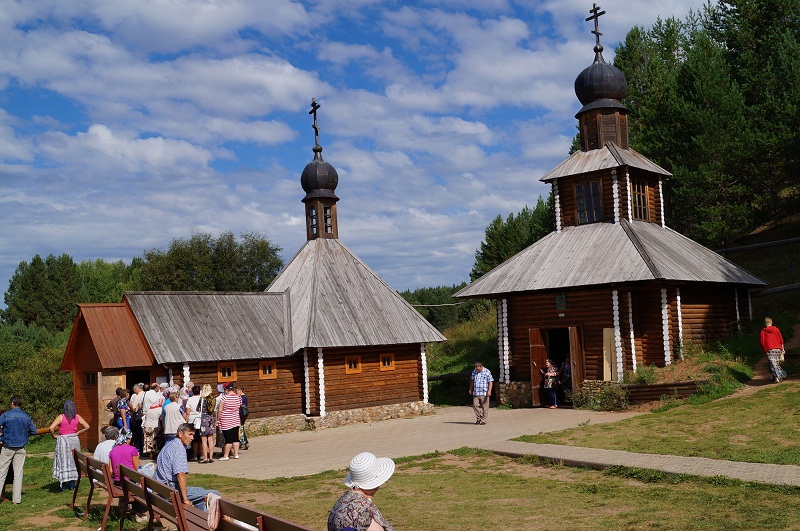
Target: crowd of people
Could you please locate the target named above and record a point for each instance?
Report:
(168, 424)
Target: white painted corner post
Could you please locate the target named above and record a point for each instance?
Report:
(502, 341)
(321, 370)
(630, 327)
(665, 326)
(615, 189)
(736, 303)
(186, 374)
(557, 205)
(628, 188)
(307, 381)
(424, 360)
(617, 335)
(680, 320)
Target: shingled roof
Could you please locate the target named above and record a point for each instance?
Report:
(116, 337)
(608, 157)
(338, 301)
(184, 326)
(607, 253)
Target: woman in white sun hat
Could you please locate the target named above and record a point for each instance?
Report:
(355, 509)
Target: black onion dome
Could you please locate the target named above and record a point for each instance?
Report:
(319, 178)
(600, 81)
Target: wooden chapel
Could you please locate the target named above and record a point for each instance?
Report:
(613, 287)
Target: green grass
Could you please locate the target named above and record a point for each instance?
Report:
(759, 428)
(471, 490)
(466, 343)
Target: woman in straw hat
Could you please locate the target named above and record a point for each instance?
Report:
(355, 509)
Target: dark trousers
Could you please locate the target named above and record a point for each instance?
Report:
(552, 396)
(138, 433)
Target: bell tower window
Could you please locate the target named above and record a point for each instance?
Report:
(312, 220)
(639, 197)
(588, 202)
(328, 219)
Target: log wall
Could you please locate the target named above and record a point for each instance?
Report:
(283, 395)
(372, 387)
(709, 311)
(589, 310)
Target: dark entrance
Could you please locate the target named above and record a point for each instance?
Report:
(137, 376)
(558, 345)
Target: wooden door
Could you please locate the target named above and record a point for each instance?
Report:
(576, 356)
(538, 354)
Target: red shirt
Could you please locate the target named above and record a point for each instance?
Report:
(771, 338)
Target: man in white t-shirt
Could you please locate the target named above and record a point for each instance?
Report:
(101, 450)
(135, 405)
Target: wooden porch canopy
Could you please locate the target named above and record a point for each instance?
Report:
(117, 338)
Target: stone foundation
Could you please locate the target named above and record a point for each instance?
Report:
(333, 419)
(515, 394)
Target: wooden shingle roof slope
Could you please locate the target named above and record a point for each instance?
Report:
(183, 327)
(608, 157)
(115, 334)
(338, 301)
(608, 253)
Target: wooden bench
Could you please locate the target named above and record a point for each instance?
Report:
(133, 490)
(232, 515)
(100, 475)
(165, 502)
(83, 471)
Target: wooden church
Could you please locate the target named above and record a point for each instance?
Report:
(613, 287)
(328, 342)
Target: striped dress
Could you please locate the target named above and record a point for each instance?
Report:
(229, 411)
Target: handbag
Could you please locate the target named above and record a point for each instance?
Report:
(243, 412)
(783, 356)
(199, 418)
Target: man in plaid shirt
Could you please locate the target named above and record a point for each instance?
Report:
(480, 387)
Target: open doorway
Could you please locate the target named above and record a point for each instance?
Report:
(136, 376)
(558, 351)
(563, 347)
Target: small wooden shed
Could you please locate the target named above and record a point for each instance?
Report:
(613, 287)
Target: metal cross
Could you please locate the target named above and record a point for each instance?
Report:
(314, 107)
(596, 13)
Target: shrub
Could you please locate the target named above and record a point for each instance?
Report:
(645, 374)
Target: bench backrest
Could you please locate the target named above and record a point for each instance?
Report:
(162, 500)
(132, 484)
(80, 463)
(251, 517)
(94, 469)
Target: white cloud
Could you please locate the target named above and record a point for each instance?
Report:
(126, 124)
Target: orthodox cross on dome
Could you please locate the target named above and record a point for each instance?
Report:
(596, 13)
(314, 107)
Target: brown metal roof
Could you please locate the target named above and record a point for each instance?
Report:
(338, 301)
(184, 326)
(115, 334)
(608, 157)
(608, 253)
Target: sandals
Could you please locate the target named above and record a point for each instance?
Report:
(203, 462)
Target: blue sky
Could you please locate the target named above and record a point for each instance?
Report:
(126, 124)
